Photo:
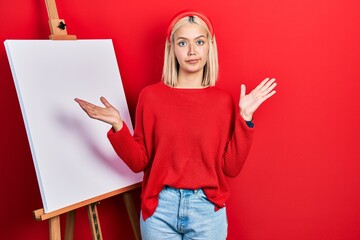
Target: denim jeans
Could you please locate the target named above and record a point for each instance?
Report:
(184, 214)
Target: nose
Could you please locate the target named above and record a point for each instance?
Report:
(192, 50)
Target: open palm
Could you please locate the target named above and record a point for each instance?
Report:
(108, 114)
(249, 103)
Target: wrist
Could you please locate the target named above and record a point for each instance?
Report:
(246, 117)
(118, 126)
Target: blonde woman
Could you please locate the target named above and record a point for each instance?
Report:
(188, 136)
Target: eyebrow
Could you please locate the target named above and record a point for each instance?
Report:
(201, 36)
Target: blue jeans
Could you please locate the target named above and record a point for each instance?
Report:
(183, 215)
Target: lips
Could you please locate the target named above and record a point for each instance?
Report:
(192, 61)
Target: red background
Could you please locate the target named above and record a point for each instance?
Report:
(302, 178)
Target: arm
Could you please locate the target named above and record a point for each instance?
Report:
(240, 142)
(130, 149)
(238, 147)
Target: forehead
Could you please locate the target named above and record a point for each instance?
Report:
(190, 31)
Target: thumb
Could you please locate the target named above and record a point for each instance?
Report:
(105, 102)
(242, 90)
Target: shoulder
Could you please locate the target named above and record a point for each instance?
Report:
(151, 90)
(221, 94)
(222, 100)
(151, 95)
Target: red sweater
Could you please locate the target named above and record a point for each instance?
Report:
(184, 138)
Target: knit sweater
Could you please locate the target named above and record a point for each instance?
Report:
(184, 138)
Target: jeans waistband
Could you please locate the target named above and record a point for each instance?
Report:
(183, 190)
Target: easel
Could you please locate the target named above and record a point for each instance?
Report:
(57, 26)
(91, 205)
(59, 32)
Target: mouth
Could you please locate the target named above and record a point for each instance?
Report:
(192, 61)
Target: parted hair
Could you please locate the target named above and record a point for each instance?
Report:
(171, 65)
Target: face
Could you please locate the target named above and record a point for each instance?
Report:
(191, 48)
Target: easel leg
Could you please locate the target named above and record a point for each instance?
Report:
(70, 223)
(94, 221)
(133, 215)
(54, 225)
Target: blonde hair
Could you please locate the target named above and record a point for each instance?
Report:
(171, 65)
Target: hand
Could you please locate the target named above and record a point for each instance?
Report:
(109, 114)
(250, 103)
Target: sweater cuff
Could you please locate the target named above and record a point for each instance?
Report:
(250, 124)
(124, 130)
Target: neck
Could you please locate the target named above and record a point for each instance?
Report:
(190, 80)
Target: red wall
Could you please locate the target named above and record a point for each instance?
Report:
(302, 178)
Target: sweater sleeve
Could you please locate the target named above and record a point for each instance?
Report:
(131, 149)
(238, 147)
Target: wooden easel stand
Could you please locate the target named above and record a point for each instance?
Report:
(57, 26)
(59, 32)
(91, 204)
(94, 221)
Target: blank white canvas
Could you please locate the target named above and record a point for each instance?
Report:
(73, 158)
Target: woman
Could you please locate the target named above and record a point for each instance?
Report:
(188, 136)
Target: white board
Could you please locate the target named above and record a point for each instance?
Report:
(73, 158)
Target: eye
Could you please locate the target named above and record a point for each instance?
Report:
(182, 43)
(200, 42)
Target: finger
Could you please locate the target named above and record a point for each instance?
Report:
(268, 96)
(268, 84)
(262, 83)
(105, 102)
(269, 88)
(80, 102)
(242, 90)
(89, 108)
(86, 105)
